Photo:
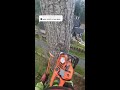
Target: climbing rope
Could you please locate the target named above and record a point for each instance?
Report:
(48, 67)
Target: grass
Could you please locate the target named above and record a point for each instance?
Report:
(37, 36)
(79, 70)
(77, 45)
(36, 21)
(40, 63)
(78, 82)
(40, 38)
(78, 54)
(83, 36)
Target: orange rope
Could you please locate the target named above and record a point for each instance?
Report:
(48, 67)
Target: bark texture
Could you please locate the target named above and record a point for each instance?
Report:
(58, 32)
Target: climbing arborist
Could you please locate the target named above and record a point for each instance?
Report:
(63, 73)
(40, 86)
(68, 85)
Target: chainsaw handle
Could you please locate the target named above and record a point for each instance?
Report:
(74, 59)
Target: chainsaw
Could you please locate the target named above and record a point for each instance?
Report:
(64, 68)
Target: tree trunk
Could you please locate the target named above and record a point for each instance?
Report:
(58, 32)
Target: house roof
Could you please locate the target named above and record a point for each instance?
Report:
(77, 30)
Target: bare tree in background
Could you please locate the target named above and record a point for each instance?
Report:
(58, 32)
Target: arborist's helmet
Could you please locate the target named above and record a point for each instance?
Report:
(61, 53)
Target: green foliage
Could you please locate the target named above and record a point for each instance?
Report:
(75, 52)
(37, 6)
(37, 36)
(77, 8)
(83, 36)
(78, 54)
(77, 45)
(79, 70)
(36, 21)
(40, 63)
(80, 10)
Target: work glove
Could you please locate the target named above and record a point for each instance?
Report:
(44, 78)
